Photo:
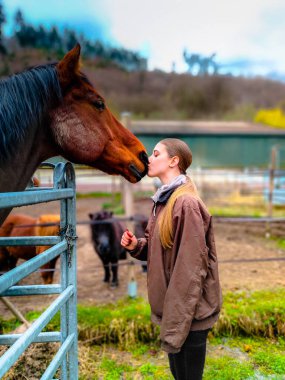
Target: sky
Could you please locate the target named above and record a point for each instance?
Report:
(247, 36)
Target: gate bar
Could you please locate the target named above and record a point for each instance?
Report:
(32, 290)
(59, 357)
(31, 240)
(23, 198)
(15, 275)
(9, 339)
(16, 350)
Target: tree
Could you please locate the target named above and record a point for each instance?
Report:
(19, 20)
(55, 40)
(70, 38)
(2, 22)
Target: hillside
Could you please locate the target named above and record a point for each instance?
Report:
(160, 95)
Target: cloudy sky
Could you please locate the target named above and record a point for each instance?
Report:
(246, 35)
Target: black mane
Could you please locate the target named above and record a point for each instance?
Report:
(24, 99)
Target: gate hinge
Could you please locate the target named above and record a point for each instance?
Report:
(68, 233)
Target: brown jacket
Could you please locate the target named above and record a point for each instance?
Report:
(183, 282)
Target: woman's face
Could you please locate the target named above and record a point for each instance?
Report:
(159, 161)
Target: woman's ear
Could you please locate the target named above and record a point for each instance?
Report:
(174, 161)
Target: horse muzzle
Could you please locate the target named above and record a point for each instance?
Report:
(138, 174)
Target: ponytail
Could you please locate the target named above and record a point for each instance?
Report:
(165, 222)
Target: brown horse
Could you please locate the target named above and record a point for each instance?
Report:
(54, 110)
(24, 225)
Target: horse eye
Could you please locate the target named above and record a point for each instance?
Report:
(99, 104)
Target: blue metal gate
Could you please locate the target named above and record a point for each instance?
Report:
(63, 245)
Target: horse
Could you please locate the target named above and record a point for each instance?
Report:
(25, 225)
(140, 226)
(106, 232)
(54, 110)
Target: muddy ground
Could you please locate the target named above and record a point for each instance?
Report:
(238, 241)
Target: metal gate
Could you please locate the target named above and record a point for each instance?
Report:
(64, 245)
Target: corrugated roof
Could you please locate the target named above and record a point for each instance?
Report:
(203, 127)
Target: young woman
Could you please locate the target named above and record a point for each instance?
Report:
(183, 283)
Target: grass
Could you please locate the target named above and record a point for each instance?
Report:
(240, 204)
(265, 356)
(233, 205)
(231, 358)
(107, 362)
(95, 194)
(245, 210)
(127, 321)
(259, 313)
(280, 243)
(118, 340)
(123, 323)
(227, 368)
(8, 325)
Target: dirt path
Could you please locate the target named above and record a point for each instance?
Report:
(234, 242)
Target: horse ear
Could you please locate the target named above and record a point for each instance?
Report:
(69, 65)
(90, 216)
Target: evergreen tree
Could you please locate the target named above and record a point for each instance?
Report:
(55, 41)
(19, 20)
(70, 38)
(2, 22)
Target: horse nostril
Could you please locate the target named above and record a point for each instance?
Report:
(144, 157)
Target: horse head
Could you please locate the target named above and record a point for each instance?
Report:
(102, 233)
(101, 215)
(86, 131)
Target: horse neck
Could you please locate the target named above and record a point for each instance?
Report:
(17, 171)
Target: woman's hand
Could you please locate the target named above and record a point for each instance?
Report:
(129, 241)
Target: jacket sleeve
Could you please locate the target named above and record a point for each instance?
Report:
(140, 252)
(186, 280)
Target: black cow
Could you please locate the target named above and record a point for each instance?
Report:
(106, 236)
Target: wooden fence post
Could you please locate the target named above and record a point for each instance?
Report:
(128, 204)
(272, 169)
(271, 180)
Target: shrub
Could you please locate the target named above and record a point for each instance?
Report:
(273, 117)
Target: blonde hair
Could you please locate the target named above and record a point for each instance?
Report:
(165, 222)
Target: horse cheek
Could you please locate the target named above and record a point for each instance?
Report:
(77, 142)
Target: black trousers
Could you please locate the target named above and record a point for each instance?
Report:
(188, 364)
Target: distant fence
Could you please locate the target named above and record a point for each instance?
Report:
(63, 245)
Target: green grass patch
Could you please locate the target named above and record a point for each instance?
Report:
(127, 321)
(270, 363)
(7, 325)
(254, 211)
(259, 313)
(108, 362)
(118, 340)
(227, 368)
(95, 194)
(117, 209)
(280, 243)
(113, 370)
(237, 211)
(266, 355)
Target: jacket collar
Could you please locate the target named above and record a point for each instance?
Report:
(164, 192)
